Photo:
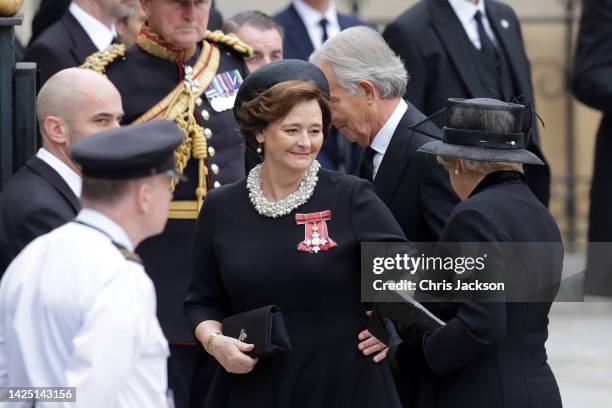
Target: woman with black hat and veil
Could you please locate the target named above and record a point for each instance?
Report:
(489, 353)
(287, 239)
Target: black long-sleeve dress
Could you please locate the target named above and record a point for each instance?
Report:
(243, 260)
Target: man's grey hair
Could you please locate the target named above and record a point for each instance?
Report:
(254, 18)
(360, 53)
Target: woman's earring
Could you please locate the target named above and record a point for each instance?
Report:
(259, 149)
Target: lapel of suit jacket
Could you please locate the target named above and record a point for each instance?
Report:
(457, 44)
(82, 45)
(343, 22)
(48, 173)
(507, 39)
(300, 33)
(396, 158)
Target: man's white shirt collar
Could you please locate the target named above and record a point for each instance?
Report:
(383, 137)
(102, 222)
(71, 178)
(465, 12)
(311, 18)
(100, 34)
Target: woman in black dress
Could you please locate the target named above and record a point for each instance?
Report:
(289, 235)
(490, 353)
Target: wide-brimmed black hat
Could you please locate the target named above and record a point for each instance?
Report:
(471, 132)
(276, 72)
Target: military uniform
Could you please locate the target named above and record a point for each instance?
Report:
(196, 91)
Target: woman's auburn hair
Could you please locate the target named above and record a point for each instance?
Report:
(275, 103)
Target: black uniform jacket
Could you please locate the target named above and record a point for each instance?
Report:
(439, 58)
(143, 81)
(491, 354)
(35, 201)
(63, 45)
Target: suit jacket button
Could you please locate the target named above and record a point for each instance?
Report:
(208, 133)
(205, 114)
(214, 168)
(217, 184)
(211, 151)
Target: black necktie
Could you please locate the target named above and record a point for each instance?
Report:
(367, 164)
(486, 45)
(323, 24)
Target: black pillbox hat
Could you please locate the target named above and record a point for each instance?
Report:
(276, 72)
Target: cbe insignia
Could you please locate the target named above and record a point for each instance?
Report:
(316, 237)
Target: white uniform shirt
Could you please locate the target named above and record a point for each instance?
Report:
(74, 312)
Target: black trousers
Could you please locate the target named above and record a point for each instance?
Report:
(190, 373)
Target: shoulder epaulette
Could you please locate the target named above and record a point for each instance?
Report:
(229, 40)
(129, 256)
(100, 60)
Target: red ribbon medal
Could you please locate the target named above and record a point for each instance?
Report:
(316, 237)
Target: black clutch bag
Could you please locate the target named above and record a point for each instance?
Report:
(263, 327)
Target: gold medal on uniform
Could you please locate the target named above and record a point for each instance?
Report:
(221, 92)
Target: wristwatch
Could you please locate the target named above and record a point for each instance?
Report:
(209, 342)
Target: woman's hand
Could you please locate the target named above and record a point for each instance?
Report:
(230, 353)
(368, 344)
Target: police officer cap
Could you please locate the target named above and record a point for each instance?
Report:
(276, 72)
(129, 152)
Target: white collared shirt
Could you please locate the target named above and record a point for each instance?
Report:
(466, 12)
(71, 178)
(100, 34)
(383, 137)
(75, 313)
(312, 17)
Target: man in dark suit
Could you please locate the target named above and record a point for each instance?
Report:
(85, 28)
(44, 194)
(466, 49)
(49, 11)
(368, 108)
(593, 86)
(307, 24)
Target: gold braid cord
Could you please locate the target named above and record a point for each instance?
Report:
(100, 60)
(179, 106)
(231, 40)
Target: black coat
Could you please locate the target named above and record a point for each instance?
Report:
(35, 201)
(336, 151)
(438, 55)
(143, 81)
(412, 184)
(63, 45)
(243, 260)
(593, 86)
(492, 354)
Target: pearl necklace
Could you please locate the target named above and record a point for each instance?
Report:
(282, 207)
